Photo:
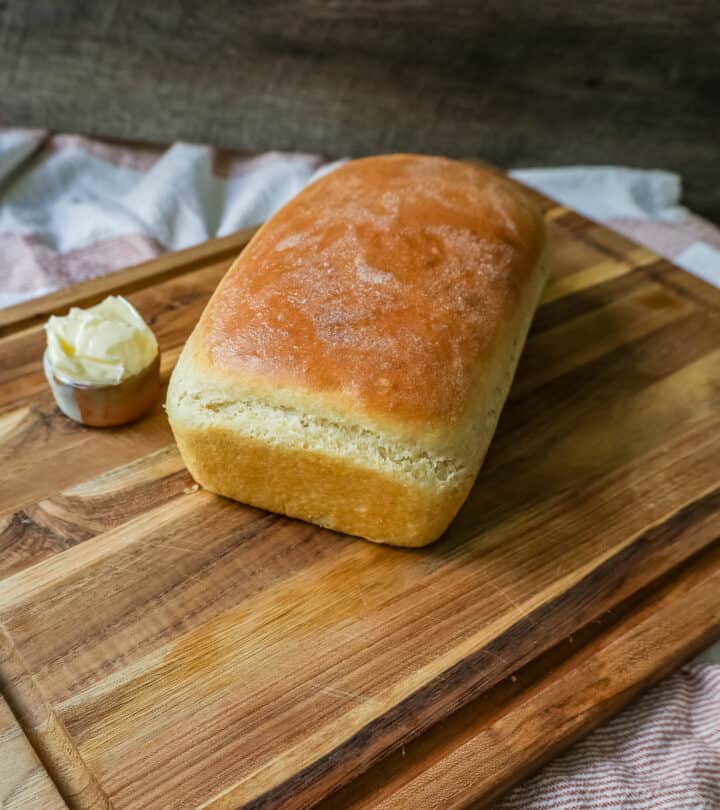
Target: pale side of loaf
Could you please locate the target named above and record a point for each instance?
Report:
(351, 366)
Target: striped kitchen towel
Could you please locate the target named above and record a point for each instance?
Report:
(662, 753)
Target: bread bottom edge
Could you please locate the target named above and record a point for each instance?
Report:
(329, 491)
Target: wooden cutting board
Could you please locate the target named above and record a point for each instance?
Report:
(184, 651)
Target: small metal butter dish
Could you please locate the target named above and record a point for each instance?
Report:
(106, 405)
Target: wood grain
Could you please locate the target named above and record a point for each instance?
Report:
(520, 83)
(24, 783)
(200, 653)
(471, 758)
(46, 732)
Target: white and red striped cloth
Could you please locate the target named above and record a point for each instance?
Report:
(72, 208)
(662, 753)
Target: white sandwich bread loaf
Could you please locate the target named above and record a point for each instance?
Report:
(350, 368)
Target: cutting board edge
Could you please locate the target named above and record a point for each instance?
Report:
(389, 784)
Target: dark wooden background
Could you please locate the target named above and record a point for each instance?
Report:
(517, 82)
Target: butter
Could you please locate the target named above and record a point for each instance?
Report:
(101, 345)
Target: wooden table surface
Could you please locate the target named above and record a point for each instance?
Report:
(170, 649)
(516, 83)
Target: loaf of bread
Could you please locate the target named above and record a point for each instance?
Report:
(351, 366)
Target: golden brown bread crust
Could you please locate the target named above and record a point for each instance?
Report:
(381, 286)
